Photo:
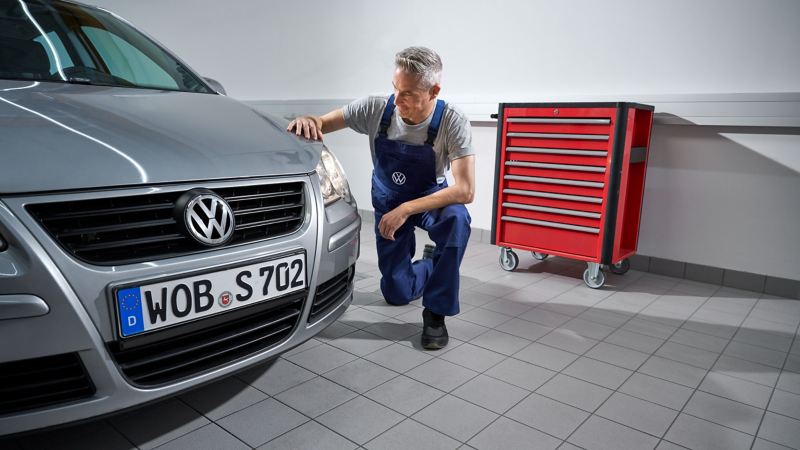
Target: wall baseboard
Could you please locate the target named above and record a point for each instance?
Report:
(763, 284)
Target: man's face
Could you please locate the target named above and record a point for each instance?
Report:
(414, 101)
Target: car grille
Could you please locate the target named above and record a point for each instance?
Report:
(33, 383)
(142, 228)
(331, 293)
(220, 340)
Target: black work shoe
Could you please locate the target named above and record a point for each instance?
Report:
(434, 332)
(427, 253)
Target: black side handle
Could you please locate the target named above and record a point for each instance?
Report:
(493, 116)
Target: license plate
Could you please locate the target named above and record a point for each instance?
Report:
(149, 307)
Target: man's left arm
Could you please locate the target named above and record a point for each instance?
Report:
(462, 191)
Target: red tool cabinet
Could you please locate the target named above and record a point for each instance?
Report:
(569, 182)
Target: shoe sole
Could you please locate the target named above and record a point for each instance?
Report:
(434, 344)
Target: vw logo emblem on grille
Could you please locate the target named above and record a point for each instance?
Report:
(208, 218)
(399, 178)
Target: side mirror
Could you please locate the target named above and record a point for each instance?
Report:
(216, 85)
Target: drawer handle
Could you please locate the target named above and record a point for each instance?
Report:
(575, 198)
(566, 212)
(559, 121)
(589, 137)
(594, 184)
(556, 151)
(572, 167)
(564, 226)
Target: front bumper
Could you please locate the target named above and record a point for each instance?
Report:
(53, 304)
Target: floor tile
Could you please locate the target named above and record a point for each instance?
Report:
(95, 435)
(618, 356)
(747, 370)
(316, 396)
(700, 434)
(785, 403)
(597, 372)
(404, 395)
(767, 339)
(360, 342)
(524, 329)
(307, 436)
(761, 444)
(209, 437)
(157, 424)
(455, 417)
(737, 389)
(588, 328)
(398, 357)
(674, 371)
(599, 433)
(360, 420)
(321, 359)
(520, 374)
(442, 375)
(635, 341)
(473, 357)
(545, 317)
(656, 390)
(780, 429)
(755, 354)
(277, 376)
(500, 342)
(504, 434)
(545, 356)
(223, 397)
(568, 340)
(699, 340)
(463, 330)
(393, 329)
(577, 393)
(688, 355)
(639, 414)
(409, 434)
(484, 317)
(548, 415)
(262, 422)
(789, 381)
(492, 394)
(360, 375)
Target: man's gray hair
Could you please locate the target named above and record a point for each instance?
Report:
(423, 62)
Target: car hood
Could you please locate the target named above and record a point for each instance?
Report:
(56, 136)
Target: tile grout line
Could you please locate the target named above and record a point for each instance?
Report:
(771, 394)
(694, 391)
(593, 413)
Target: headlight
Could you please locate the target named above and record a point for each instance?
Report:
(332, 179)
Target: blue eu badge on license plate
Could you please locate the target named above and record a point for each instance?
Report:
(129, 303)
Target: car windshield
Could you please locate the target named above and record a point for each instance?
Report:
(56, 41)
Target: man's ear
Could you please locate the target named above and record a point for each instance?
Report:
(434, 91)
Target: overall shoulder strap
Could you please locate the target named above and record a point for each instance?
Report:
(436, 121)
(386, 119)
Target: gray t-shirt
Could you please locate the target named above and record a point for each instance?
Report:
(453, 141)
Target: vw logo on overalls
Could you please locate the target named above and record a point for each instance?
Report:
(399, 178)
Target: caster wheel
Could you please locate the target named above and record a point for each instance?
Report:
(594, 283)
(539, 256)
(621, 267)
(508, 260)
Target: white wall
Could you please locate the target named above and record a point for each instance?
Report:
(721, 196)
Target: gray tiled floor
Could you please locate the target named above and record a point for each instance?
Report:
(537, 360)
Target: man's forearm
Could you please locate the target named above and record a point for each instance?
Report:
(439, 199)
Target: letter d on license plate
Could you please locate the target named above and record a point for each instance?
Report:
(149, 307)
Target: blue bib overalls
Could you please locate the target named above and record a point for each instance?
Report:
(404, 172)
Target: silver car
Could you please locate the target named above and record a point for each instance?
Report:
(154, 233)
